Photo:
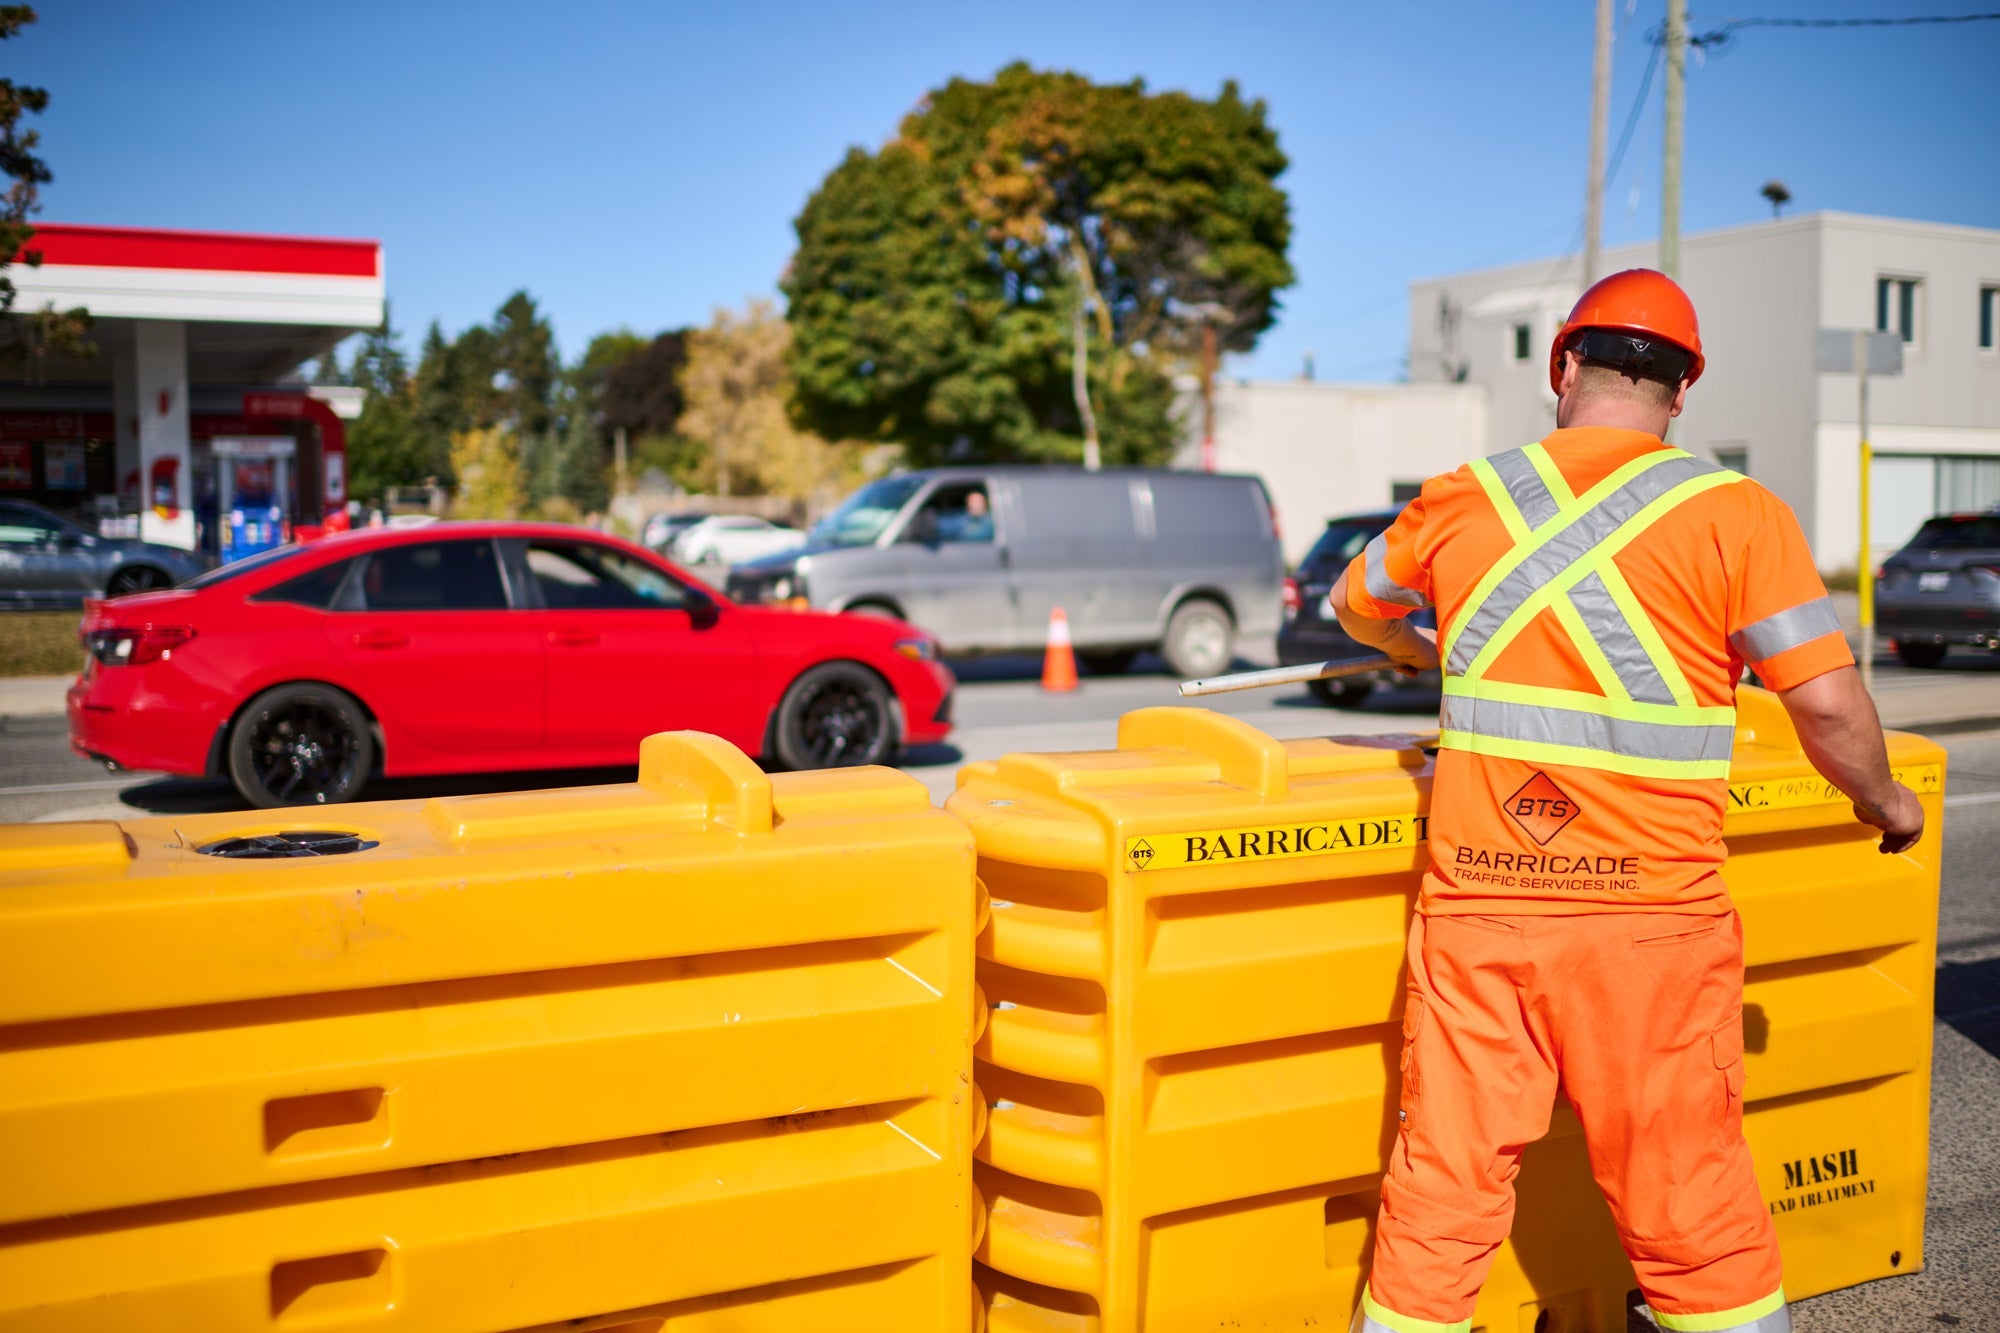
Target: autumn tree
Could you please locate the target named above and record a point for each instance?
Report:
(1028, 254)
(737, 387)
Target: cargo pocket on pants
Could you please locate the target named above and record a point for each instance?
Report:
(1413, 1026)
(1727, 1042)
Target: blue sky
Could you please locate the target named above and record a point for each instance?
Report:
(639, 164)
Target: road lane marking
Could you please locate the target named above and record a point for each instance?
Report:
(1974, 798)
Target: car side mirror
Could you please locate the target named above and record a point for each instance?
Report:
(701, 608)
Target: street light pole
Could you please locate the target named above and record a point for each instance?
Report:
(1208, 395)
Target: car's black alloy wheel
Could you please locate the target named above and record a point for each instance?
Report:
(836, 715)
(301, 744)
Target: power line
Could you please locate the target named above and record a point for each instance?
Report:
(1722, 35)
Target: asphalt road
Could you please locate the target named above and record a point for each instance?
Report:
(1002, 709)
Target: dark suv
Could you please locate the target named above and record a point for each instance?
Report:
(1942, 588)
(1310, 633)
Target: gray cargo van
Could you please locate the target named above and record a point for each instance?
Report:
(1138, 558)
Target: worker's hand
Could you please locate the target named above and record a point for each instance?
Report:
(1901, 819)
(1414, 650)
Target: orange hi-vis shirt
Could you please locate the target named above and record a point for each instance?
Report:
(1597, 595)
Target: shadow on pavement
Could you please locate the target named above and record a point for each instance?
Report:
(1968, 998)
(204, 796)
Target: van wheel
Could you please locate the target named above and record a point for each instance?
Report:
(880, 610)
(1921, 655)
(300, 744)
(1200, 639)
(1107, 661)
(834, 716)
(1341, 693)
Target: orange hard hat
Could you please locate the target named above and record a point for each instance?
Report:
(1641, 303)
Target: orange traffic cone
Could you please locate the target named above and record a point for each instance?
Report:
(1058, 662)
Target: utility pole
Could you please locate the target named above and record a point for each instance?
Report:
(1670, 151)
(1600, 113)
(1208, 395)
(1865, 583)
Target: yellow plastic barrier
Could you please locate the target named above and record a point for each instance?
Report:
(692, 1053)
(1195, 953)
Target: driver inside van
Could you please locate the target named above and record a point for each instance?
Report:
(967, 520)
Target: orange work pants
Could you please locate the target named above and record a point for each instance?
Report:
(1639, 1018)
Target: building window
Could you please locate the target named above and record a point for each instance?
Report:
(1989, 297)
(1896, 306)
(1402, 492)
(1735, 457)
(1523, 348)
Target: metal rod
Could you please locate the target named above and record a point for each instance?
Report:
(1291, 675)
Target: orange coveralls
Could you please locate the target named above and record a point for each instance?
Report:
(1597, 597)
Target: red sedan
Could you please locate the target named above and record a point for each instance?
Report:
(479, 647)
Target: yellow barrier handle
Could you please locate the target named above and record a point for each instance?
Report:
(1244, 756)
(736, 791)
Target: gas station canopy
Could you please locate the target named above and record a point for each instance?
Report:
(197, 335)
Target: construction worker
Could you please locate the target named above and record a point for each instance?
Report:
(1598, 595)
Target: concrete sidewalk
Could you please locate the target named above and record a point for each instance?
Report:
(33, 696)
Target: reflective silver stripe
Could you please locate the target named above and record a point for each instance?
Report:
(1565, 548)
(1375, 575)
(1614, 634)
(1788, 629)
(1778, 1321)
(1363, 1324)
(1543, 724)
(1530, 493)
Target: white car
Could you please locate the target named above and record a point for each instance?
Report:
(731, 539)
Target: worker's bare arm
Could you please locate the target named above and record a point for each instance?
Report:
(1842, 735)
(1412, 648)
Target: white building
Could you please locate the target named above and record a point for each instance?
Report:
(1761, 291)
(1325, 450)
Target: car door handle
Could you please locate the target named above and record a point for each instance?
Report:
(573, 638)
(381, 638)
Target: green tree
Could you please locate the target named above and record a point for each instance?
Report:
(388, 444)
(46, 332)
(945, 285)
(523, 352)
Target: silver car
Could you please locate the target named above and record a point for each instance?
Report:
(1143, 558)
(1942, 588)
(47, 561)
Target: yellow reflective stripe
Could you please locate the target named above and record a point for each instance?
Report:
(1586, 643)
(1403, 1323)
(1503, 503)
(1575, 701)
(1522, 549)
(1540, 752)
(1722, 1320)
(1600, 556)
(1552, 476)
(1649, 635)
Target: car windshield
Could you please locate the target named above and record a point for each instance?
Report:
(247, 565)
(1958, 532)
(862, 516)
(1340, 543)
